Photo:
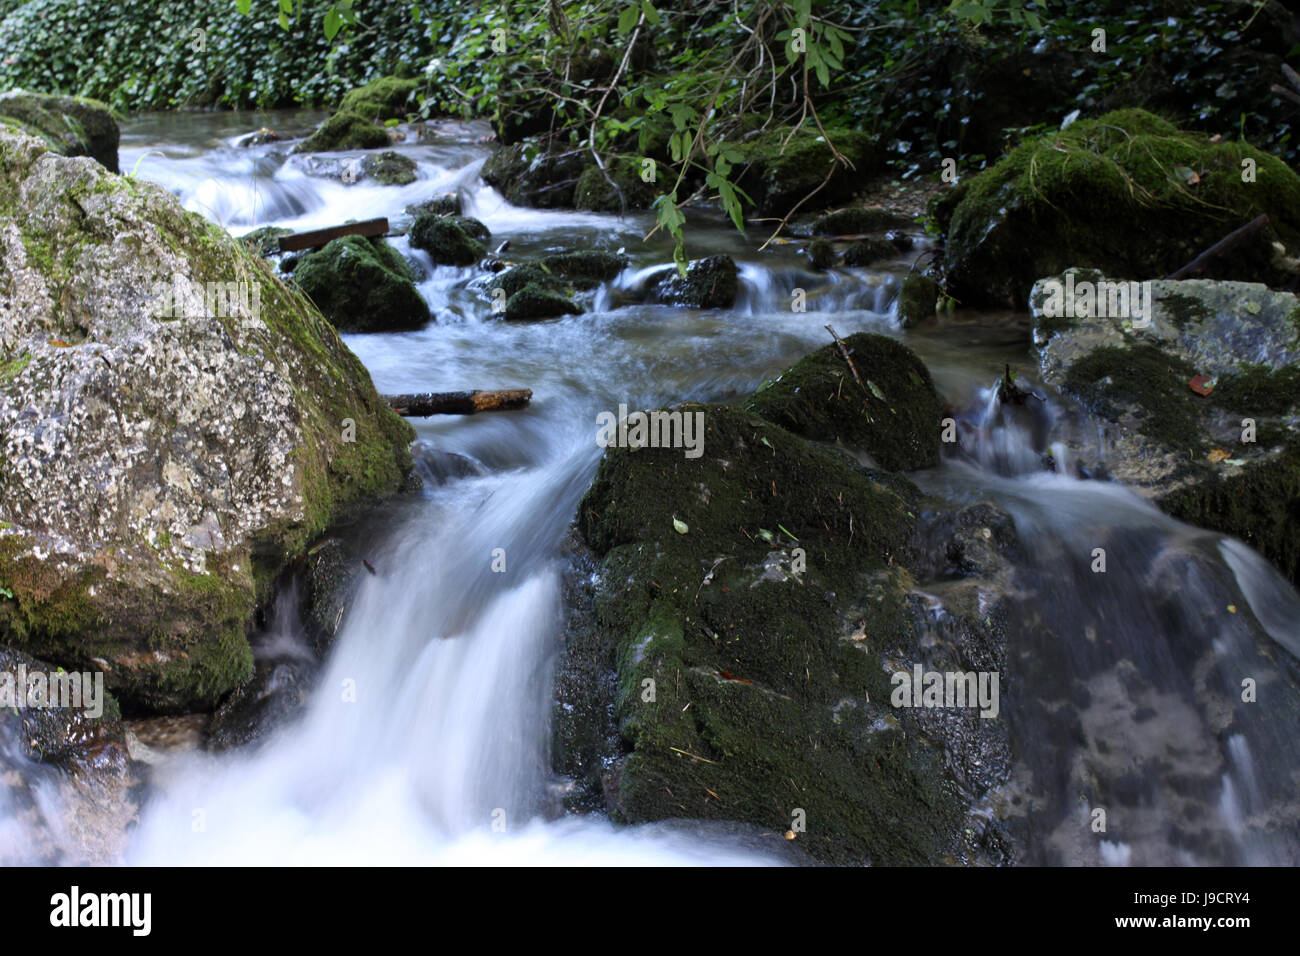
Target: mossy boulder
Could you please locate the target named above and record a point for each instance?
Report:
(449, 240)
(917, 298)
(390, 168)
(534, 301)
(869, 251)
(445, 204)
(857, 220)
(893, 416)
(166, 450)
(527, 174)
(593, 191)
(345, 130)
(71, 125)
(385, 98)
(265, 240)
(585, 270)
(821, 254)
(1094, 195)
(710, 283)
(777, 177)
(1225, 461)
(362, 285)
(747, 607)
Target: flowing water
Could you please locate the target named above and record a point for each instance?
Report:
(426, 738)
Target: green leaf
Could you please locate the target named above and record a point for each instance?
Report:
(650, 12)
(875, 390)
(333, 23)
(284, 21)
(627, 20)
(244, 6)
(766, 535)
(680, 526)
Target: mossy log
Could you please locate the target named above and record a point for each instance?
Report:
(459, 403)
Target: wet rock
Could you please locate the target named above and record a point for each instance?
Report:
(446, 204)
(390, 168)
(778, 178)
(362, 285)
(68, 736)
(534, 301)
(857, 220)
(160, 462)
(593, 190)
(388, 97)
(71, 125)
(584, 270)
(894, 416)
(1092, 195)
(529, 176)
(917, 298)
(710, 283)
(701, 663)
(344, 130)
(265, 240)
(274, 695)
(821, 253)
(437, 467)
(1229, 460)
(869, 251)
(259, 138)
(329, 580)
(449, 240)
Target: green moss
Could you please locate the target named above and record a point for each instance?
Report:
(385, 98)
(446, 240)
(749, 671)
(265, 240)
(362, 285)
(1184, 310)
(1259, 390)
(1092, 195)
(345, 130)
(593, 191)
(1257, 504)
(13, 368)
(1150, 383)
(820, 399)
(856, 220)
(73, 126)
(537, 302)
(917, 298)
(780, 170)
(821, 253)
(391, 169)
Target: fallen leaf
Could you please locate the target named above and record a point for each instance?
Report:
(680, 526)
(1187, 175)
(1232, 609)
(1253, 307)
(1201, 385)
(60, 344)
(1218, 455)
(875, 391)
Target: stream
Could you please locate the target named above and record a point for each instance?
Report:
(450, 665)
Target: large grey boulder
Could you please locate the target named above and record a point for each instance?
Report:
(176, 425)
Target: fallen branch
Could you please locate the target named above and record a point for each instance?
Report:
(1226, 244)
(459, 403)
(845, 352)
(319, 237)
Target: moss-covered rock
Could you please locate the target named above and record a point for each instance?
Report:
(345, 130)
(446, 239)
(390, 168)
(1094, 194)
(72, 125)
(190, 445)
(534, 301)
(445, 204)
(585, 269)
(529, 175)
(893, 416)
(385, 98)
(593, 190)
(821, 253)
(856, 220)
(265, 240)
(709, 283)
(746, 602)
(869, 251)
(362, 285)
(1226, 460)
(917, 298)
(777, 178)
